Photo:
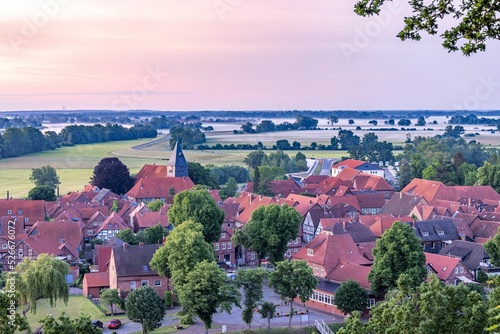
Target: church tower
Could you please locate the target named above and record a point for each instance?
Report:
(177, 166)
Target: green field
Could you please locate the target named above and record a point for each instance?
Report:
(75, 164)
(76, 305)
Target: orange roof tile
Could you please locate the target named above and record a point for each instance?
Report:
(442, 265)
(97, 280)
(159, 188)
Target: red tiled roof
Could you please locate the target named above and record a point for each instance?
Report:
(443, 265)
(33, 210)
(345, 271)
(385, 223)
(314, 179)
(348, 174)
(113, 222)
(152, 171)
(159, 188)
(254, 202)
(150, 219)
(97, 280)
(215, 195)
(350, 200)
(329, 250)
(103, 257)
(350, 163)
(371, 200)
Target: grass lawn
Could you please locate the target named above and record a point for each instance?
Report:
(165, 330)
(76, 305)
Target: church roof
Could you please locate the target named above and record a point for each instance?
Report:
(177, 158)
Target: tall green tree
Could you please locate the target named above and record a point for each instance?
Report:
(269, 231)
(45, 176)
(252, 282)
(398, 252)
(197, 205)
(155, 234)
(489, 175)
(492, 246)
(231, 187)
(128, 236)
(10, 320)
(267, 311)
(200, 174)
(182, 250)
(293, 279)
(145, 307)
(112, 174)
(155, 205)
(206, 290)
(350, 297)
(405, 176)
(430, 308)
(64, 325)
(44, 277)
(45, 193)
(111, 297)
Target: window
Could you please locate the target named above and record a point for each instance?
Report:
(456, 270)
(95, 223)
(317, 270)
(370, 302)
(295, 250)
(9, 212)
(425, 234)
(116, 225)
(440, 232)
(144, 282)
(216, 246)
(289, 253)
(296, 241)
(461, 270)
(145, 268)
(223, 246)
(26, 220)
(20, 252)
(252, 256)
(110, 225)
(132, 286)
(61, 240)
(68, 257)
(322, 272)
(223, 235)
(4, 246)
(90, 233)
(310, 252)
(321, 297)
(19, 212)
(157, 282)
(229, 245)
(228, 224)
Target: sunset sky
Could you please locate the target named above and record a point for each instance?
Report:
(230, 55)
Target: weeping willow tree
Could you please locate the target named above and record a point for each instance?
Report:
(42, 278)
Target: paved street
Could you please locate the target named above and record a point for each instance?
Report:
(326, 169)
(233, 321)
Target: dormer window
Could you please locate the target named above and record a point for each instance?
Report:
(310, 252)
(440, 232)
(9, 212)
(425, 234)
(145, 268)
(19, 212)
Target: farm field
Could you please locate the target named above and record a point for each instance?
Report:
(75, 164)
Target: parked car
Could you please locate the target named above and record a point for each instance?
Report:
(114, 324)
(97, 323)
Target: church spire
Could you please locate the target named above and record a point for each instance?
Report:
(177, 165)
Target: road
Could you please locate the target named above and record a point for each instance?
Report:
(234, 321)
(327, 166)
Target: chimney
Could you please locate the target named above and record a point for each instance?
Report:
(400, 194)
(57, 191)
(7, 194)
(141, 244)
(125, 246)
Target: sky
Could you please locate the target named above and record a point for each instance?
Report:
(229, 55)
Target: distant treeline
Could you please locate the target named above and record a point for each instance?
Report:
(301, 123)
(16, 142)
(473, 119)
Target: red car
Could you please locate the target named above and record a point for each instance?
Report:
(114, 324)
